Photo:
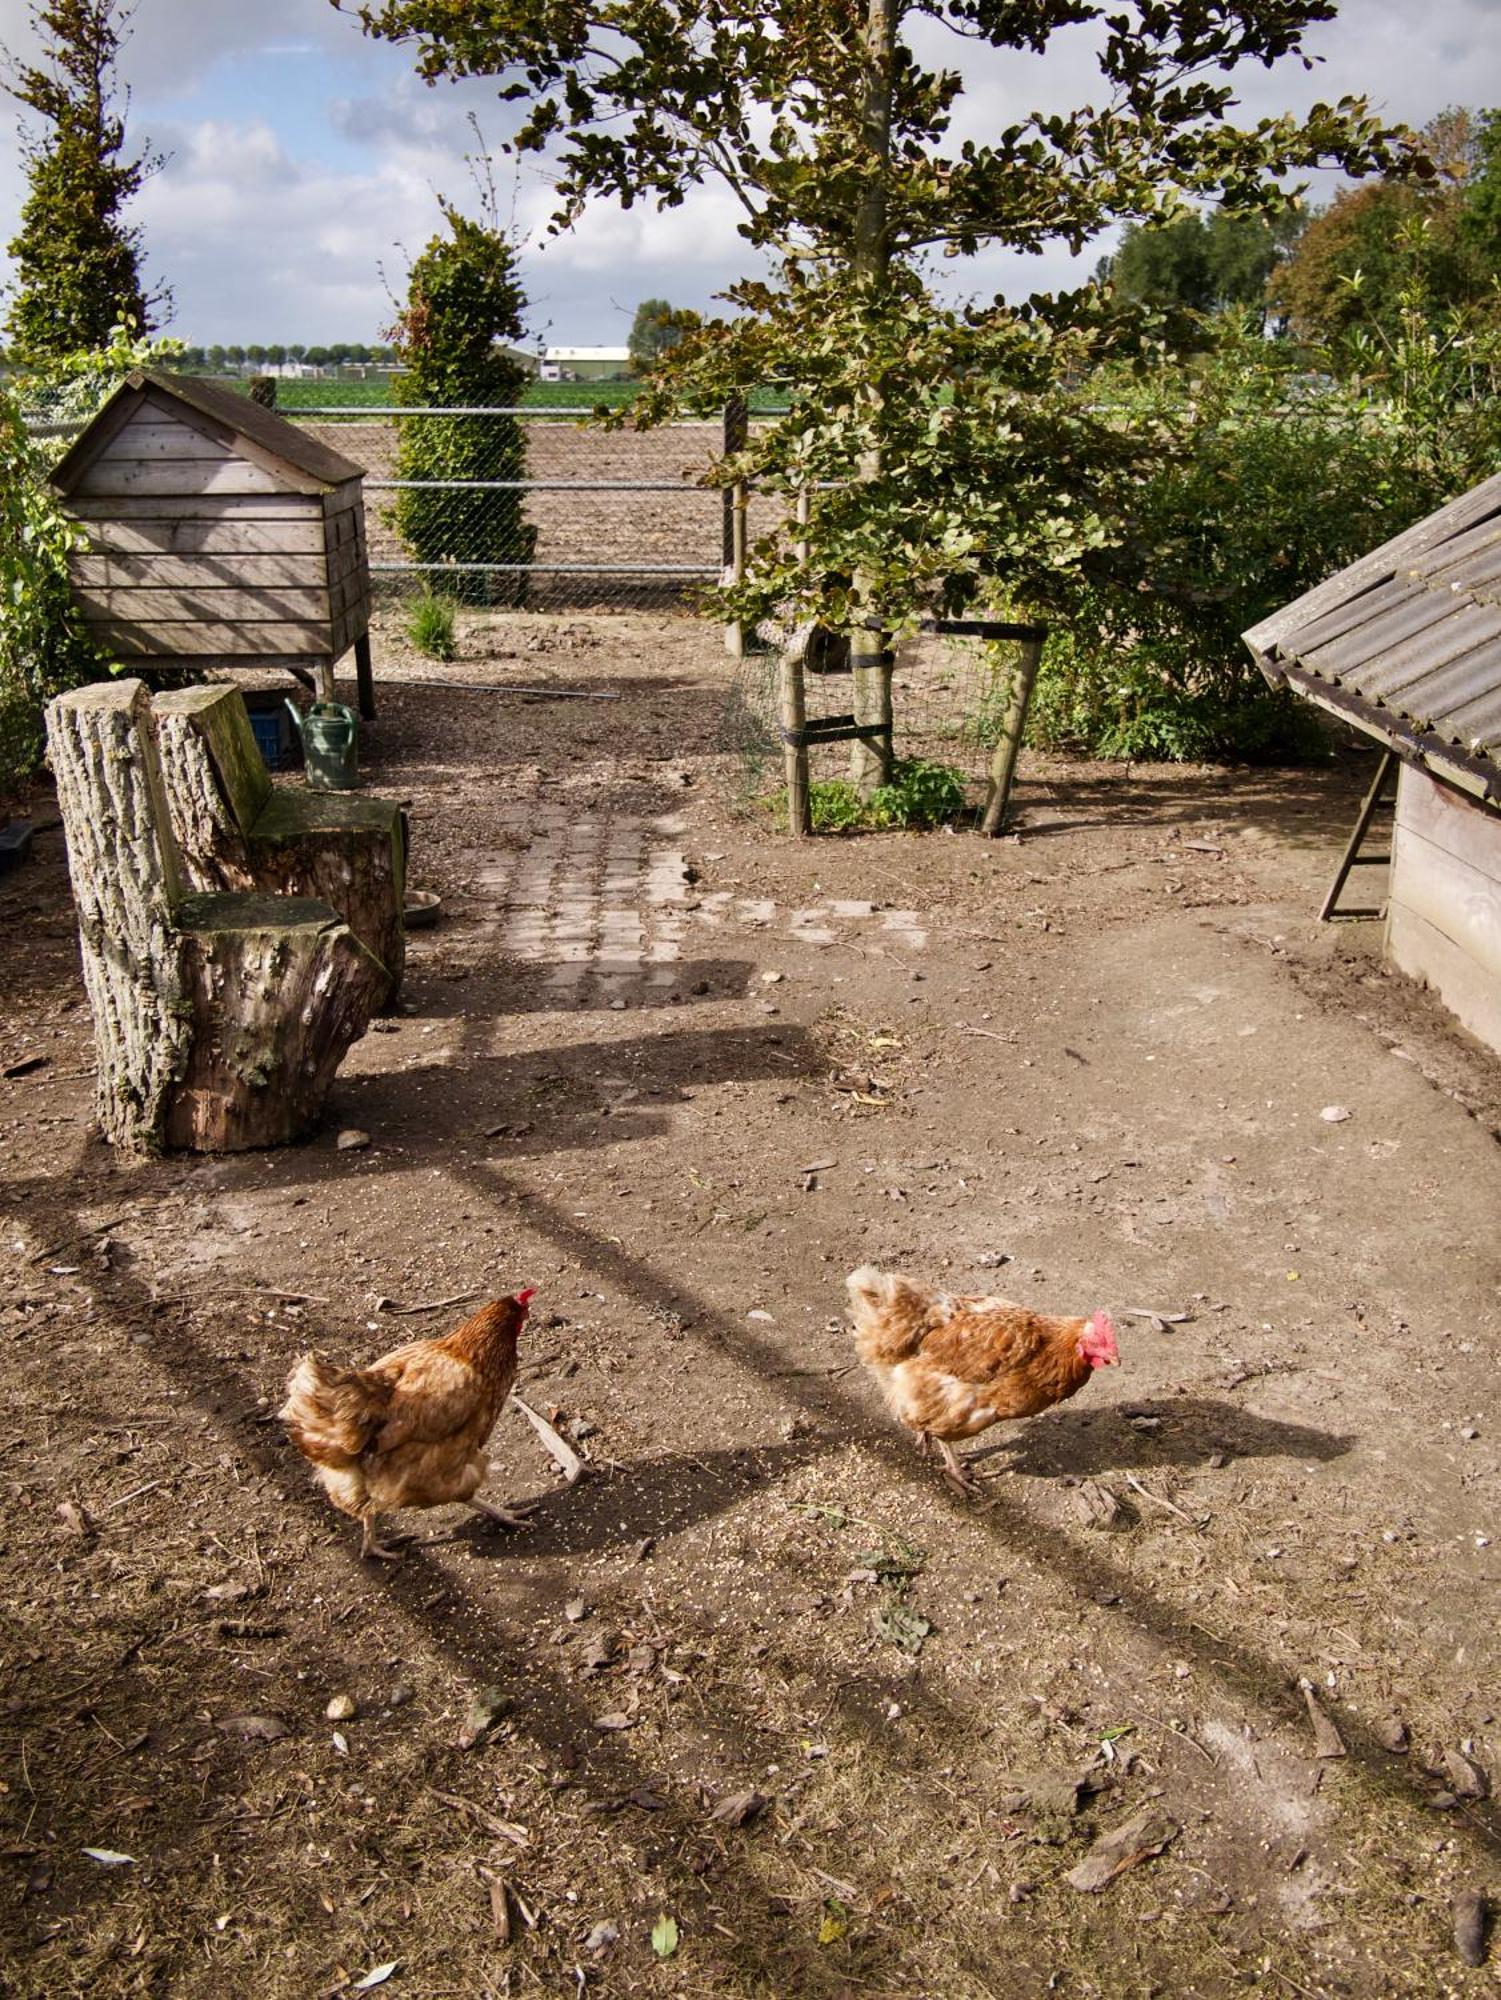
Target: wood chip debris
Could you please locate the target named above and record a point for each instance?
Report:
(1471, 1915)
(739, 1808)
(1327, 1741)
(1147, 1833)
(426, 1306)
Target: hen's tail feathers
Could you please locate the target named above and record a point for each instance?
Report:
(891, 1313)
(332, 1413)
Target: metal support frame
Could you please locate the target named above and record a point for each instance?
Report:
(1352, 856)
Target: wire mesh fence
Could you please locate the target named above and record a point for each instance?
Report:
(949, 697)
(532, 507)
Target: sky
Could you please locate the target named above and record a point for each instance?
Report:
(306, 162)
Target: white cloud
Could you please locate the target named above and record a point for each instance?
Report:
(306, 157)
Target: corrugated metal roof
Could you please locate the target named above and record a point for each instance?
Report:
(1407, 642)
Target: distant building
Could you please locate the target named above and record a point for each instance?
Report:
(529, 358)
(586, 364)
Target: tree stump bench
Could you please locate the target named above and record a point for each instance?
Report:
(219, 1018)
(236, 831)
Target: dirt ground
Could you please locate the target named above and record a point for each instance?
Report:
(682, 1075)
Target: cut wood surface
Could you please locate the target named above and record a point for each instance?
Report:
(287, 988)
(1450, 821)
(197, 506)
(169, 438)
(124, 883)
(234, 831)
(1449, 893)
(1470, 992)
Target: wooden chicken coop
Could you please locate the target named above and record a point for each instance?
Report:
(219, 535)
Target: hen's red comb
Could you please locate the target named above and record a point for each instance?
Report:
(525, 1298)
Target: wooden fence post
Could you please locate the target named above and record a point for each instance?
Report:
(736, 431)
(1008, 748)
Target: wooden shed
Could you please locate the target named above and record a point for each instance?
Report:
(1406, 645)
(219, 535)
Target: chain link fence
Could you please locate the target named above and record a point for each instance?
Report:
(547, 512)
(950, 692)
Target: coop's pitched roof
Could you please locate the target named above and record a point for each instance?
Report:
(287, 449)
(1406, 643)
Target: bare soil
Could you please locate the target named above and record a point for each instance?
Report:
(682, 1074)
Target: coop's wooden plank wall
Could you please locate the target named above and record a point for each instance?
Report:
(344, 519)
(1443, 923)
(196, 551)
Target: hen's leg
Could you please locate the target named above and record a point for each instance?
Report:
(369, 1546)
(506, 1517)
(955, 1470)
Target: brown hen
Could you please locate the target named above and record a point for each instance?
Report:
(410, 1430)
(951, 1367)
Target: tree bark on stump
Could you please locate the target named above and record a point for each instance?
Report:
(218, 1020)
(278, 989)
(124, 885)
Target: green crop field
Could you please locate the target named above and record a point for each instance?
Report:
(307, 395)
(541, 396)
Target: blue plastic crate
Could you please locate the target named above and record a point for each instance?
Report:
(274, 737)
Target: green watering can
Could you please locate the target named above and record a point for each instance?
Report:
(330, 745)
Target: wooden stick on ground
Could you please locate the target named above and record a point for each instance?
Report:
(567, 1459)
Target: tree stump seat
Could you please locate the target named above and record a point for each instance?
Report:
(236, 830)
(219, 1017)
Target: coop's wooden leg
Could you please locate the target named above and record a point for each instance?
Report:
(1358, 833)
(365, 672)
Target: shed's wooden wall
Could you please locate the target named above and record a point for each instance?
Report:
(1443, 920)
(198, 553)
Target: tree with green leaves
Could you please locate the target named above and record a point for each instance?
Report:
(656, 328)
(1203, 264)
(947, 463)
(1354, 266)
(77, 260)
(464, 305)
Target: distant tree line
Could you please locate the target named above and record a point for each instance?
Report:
(1359, 264)
(278, 354)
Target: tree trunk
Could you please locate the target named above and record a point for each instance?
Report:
(870, 664)
(218, 1020)
(124, 884)
(278, 988)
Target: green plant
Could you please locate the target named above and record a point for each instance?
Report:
(430, 625)
(946, 459)
(834, 806)
(77, 263)
(43, 647)
(920, 794)
(463, 304)
(1265, 483)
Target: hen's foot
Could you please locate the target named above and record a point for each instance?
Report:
(956, 1472)
(506, 1517)
(377, 1551)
